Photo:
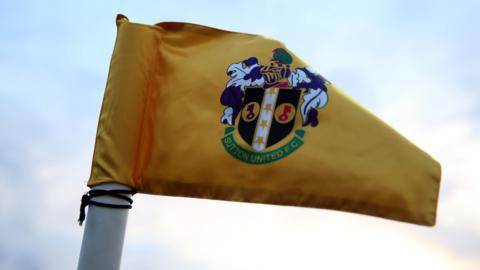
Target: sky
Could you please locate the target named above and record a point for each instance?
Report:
(414, 64)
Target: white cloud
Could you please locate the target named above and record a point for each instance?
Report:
(415, 65)
(233, 236)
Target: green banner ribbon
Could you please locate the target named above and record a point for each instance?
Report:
(251, 157)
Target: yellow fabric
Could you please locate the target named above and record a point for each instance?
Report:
(160, 133)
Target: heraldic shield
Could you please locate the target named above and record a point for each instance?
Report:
(268, 115)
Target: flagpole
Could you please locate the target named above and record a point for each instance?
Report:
(104, 231)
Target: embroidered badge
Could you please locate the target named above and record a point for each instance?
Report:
(262, 102)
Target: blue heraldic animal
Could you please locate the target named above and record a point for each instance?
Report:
(249, 73)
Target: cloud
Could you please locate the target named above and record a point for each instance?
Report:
(221, 235)
(413, 64)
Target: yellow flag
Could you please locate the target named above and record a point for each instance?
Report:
(200, 112)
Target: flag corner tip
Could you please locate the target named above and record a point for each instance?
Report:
(120, 19)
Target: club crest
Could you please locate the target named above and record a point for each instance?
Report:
(268, 107)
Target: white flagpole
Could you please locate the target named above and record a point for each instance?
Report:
(104, 232)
